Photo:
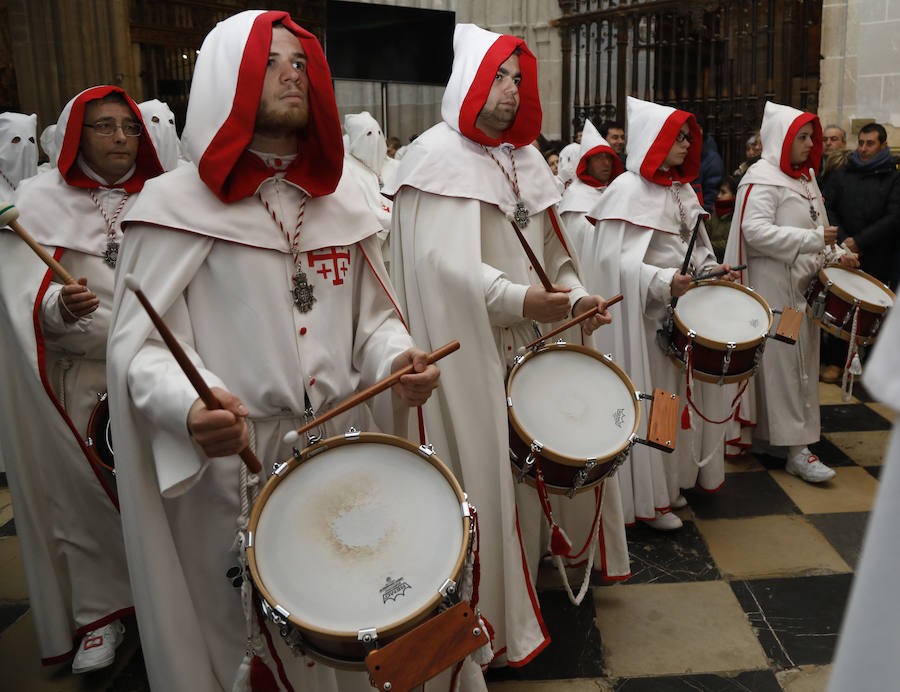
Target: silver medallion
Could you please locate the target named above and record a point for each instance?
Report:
(111, 255)
(521, 214)
(302, 292)
(813, 214)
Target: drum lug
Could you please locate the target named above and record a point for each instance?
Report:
(848, 316)
(609, 357)
(102, 396)
(426, 451)
(638, 396)
(248, 541)
(526, 467)
(449, 590)
(561, 343)
(581, 477)
(509, 402)
(726, 361)
(464, 506)
(351, 434)
(368, 638)
(518, 359)
(282, 467)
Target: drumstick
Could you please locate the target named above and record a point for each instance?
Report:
(8, 216)
(577, 320)
(721, 272)
(538, 269)
(687, 255)
(205, 393)
(377, 388)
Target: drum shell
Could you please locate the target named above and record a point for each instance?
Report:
(558, 469)
(709, 355)
(342, 649)
(97, 435)
(834, 309)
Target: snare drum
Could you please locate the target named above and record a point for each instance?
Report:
(355, 542)
(572, 410)
(98, 439)
(726, 325)
(836, 291)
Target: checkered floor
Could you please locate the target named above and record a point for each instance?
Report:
(747, 596)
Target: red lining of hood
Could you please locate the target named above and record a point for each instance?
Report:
(527, 125)
(146, 164)
(617, 167)
(231, 172)
(815, 154)
(662, 145)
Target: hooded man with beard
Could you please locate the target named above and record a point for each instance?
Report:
(461, 271)
(54, 347)
(264, 262)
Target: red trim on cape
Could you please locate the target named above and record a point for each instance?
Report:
(228, 169)
(741, 238)
(581, 170)
(42, 372)
(527, 125)
(387, 292)
(534, 605)
(662, 145)
(815, 154)
(146, 164)
(556, 229)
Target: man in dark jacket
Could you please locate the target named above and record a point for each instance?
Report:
(711, 172)
(863, 201)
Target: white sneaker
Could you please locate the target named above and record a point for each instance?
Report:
(679, 502)
(98, 648)
(664, 521)
(807, 466)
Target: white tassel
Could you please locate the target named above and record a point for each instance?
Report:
(856, 365)
(510, 217)
(242, 678)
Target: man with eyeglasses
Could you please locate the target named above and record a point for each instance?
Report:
(53, 346)
(643, 227)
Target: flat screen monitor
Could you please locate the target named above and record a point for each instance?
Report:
(387, 43)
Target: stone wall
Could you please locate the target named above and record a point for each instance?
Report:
(861, 65)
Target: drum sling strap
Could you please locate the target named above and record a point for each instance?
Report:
(852, 365)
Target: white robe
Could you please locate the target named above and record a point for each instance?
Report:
(578, 199)
(773, 234)
(69, 528)
(370, 185)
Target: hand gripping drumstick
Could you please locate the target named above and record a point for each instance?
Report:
(721, 272)
(205, 393)
(577, 320)
(388, 382)
(8, 216)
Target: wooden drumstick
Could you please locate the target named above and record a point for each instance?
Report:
(196, 379)
(388, 382)
(538, 269)
(577, 320)
(8, 216)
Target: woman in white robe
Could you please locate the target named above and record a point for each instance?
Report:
(779, 230)
(638, 249)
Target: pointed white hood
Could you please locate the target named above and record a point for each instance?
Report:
(221, 114)
(592, 143)
(160, 123)
(568, 161)
(780, 125)
(48, 144)
(366, 140)
(18, 160)
(652, 129)
(477, 54)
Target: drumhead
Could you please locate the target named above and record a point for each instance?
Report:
(859, 285)
(361, 535)
(573, 402)
(722, 312)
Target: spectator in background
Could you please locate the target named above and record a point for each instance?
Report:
(719, 222)
(834, 152)
(863, 201)
(712, 169)
(551, 156)
(614, 133)
(752, 152)
(393, 143)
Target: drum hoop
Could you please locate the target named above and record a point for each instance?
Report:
(722, 345)
(333, 443)
(94, 434)
(847, 297)
(546, 452)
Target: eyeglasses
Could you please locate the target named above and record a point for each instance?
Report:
(684, 137)
(107, 128)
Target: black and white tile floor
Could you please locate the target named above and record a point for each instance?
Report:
(748, 596)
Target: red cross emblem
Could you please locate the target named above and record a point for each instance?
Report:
(339, 260)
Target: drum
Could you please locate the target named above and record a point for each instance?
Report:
(354, 542)
(573, 412)
(99, 436)
(726, 325)
(837, 292)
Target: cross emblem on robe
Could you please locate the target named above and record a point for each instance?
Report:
(339, 259)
